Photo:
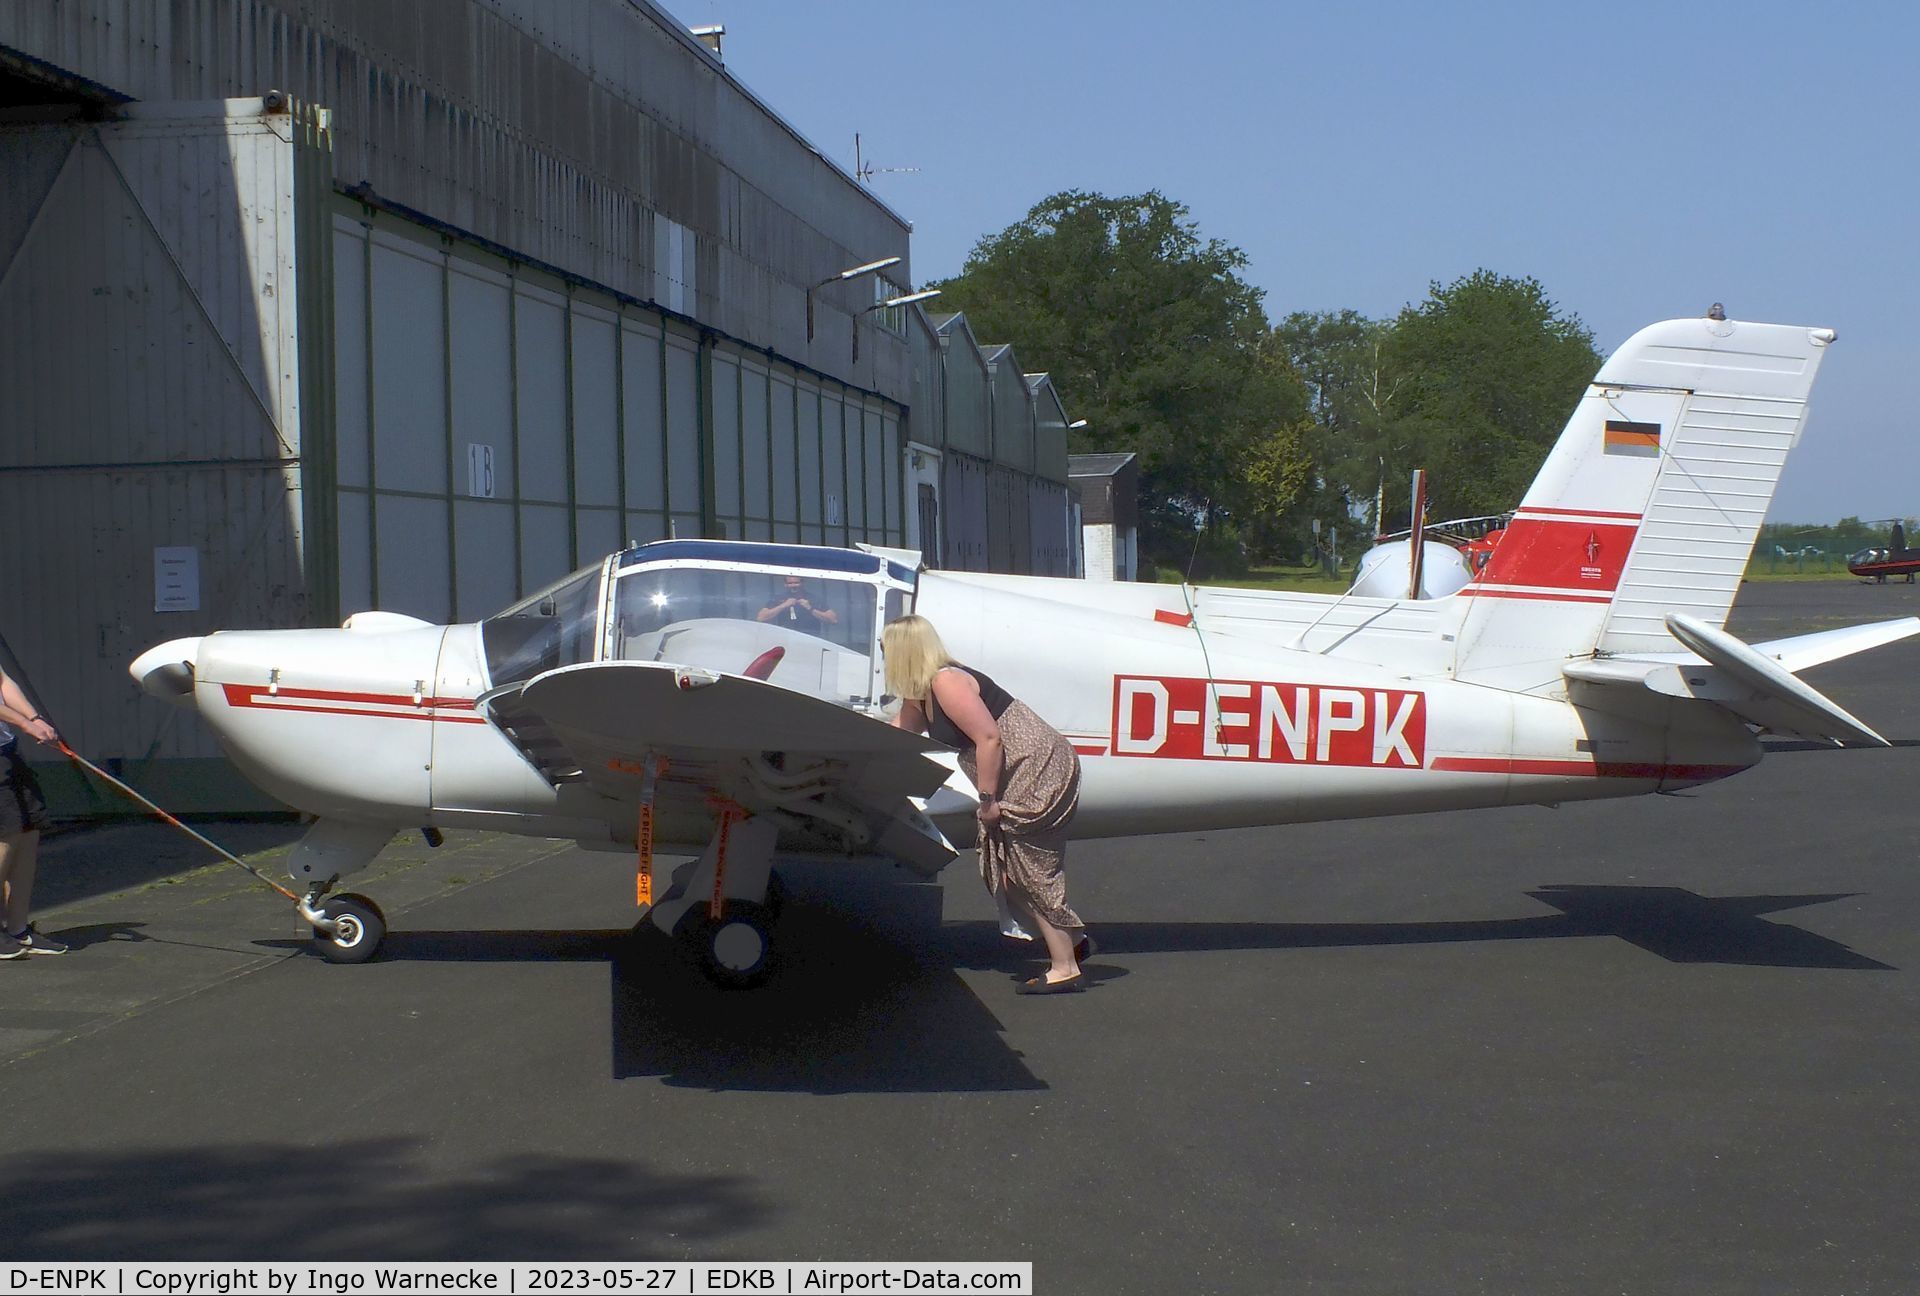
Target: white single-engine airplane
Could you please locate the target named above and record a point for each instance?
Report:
(676, 695)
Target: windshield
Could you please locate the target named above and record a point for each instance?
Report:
(808, 632)
(543, 631)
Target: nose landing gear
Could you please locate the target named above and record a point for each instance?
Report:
(347, 928)
(358, 928)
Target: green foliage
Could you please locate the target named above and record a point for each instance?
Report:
(1247, 435)
(1788, 540)
(1492, 370)
(1153, 337)
(1474, 384)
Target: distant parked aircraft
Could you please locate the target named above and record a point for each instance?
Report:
(1894, 560)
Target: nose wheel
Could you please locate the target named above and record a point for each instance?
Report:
(358, 928)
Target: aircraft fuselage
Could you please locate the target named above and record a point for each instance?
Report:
(1176, 732)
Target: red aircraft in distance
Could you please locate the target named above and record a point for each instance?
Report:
(1894, 560)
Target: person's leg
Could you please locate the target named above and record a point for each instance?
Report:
(1059, 949)
(19, 856)
(1058, 941)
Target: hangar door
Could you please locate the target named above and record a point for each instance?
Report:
(150, 475)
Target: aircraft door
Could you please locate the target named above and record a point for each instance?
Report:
(474, 767)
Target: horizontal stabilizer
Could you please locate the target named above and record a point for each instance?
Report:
(1777, 699)
(1754, 681)
(1802, 651)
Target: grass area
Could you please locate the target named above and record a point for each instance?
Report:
(1304, 580)
(1759, 572)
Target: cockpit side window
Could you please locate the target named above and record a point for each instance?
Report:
(733, 621)
(544, 631)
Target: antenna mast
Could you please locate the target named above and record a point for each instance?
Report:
(864, 171)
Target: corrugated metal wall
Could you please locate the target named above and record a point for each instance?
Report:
(153, 388)
(1012, 410)
(514, 427)
(927, 407)
(963, 509)
(552, 268)
(969, 409)
(595, 136)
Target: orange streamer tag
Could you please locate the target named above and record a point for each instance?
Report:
(643, 877)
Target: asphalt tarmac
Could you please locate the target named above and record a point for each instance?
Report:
(1659, 1045)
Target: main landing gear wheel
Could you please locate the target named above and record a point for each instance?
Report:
(360, 929)
(736, 953)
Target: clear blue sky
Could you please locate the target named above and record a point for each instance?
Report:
(1640, 160)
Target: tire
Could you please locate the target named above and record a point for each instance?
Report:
(362, 928)
(737, 952)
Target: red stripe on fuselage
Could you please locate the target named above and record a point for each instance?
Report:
(263, 698)
(1582, 768)
(1471, 592)
(1524, 510)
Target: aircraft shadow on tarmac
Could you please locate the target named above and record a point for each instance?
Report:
(368, 1198)
(1775, 745)
(868, 1000)
(865, 1000)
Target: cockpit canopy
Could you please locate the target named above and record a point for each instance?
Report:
(799, 616)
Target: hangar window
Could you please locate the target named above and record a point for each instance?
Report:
(891, 318)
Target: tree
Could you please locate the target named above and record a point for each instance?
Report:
(1341, 357)
(1474, 384)
(1151, 336)
(1491, 370)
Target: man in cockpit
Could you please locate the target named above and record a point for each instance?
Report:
(795, 608)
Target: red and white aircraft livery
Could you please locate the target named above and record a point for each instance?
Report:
(673, 698)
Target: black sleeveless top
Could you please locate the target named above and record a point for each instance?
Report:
(938, 726)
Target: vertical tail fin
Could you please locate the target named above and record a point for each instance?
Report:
(1649, 503)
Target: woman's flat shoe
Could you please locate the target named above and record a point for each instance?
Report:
(1040, 985)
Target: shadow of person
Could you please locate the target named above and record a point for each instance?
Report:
(1677, 925)
(88, 934)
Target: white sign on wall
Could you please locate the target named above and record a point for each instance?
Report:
(176, 578)
(479, 470)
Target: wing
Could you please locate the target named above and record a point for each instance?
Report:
(821, 770)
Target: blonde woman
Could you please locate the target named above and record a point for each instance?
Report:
(1028, 778)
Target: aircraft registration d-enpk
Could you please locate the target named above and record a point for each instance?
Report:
(670, 698)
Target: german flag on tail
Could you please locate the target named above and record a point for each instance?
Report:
(1627, 438)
